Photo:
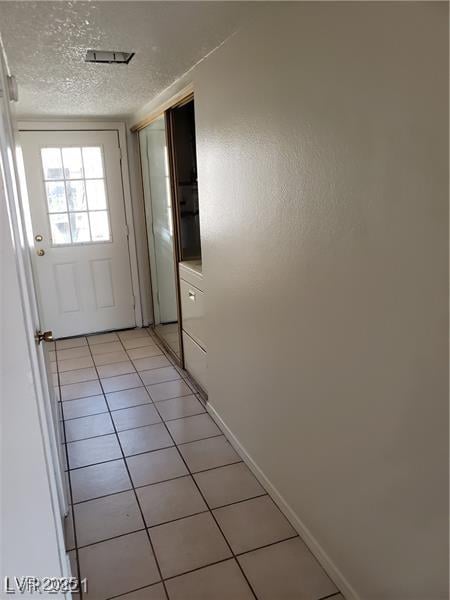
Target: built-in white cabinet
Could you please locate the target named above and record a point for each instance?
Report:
(192, 298)
(193, 312)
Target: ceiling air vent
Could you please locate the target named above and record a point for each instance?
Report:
(108, 56)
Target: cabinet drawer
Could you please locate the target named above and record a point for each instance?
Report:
(195, 360)
(193, 312)
(191, 271)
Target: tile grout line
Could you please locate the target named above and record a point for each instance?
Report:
(211, 512)
(93, 437)
(138, 487)
(190, 474)
(77, 558)
(102, 462)
(115, 410)
(136, 497)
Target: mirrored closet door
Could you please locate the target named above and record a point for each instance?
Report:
(160, 232)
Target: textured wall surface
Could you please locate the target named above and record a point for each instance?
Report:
(323, 173)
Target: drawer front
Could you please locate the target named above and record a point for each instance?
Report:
(195, 360)
(193, 312)
(192, 276)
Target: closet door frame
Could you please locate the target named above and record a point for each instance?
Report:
(185, 96)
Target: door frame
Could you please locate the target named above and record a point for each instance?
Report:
(120, 128)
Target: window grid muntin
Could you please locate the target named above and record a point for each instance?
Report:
(69, 212)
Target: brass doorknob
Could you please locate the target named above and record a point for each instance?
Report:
(38, 237)
(46, 336)
(40, 252)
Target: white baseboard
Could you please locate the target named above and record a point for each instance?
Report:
(327, 564)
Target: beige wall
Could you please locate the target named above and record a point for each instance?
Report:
(323, 169)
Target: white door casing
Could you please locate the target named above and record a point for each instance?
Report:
(77, 206)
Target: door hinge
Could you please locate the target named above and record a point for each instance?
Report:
(133, 300)
(127, 231)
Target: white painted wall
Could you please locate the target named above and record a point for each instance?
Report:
(323, 173)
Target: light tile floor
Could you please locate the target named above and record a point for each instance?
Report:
(162, 507)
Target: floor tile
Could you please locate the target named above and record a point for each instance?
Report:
(145, 352)
(145, 439)
(151, 361)
(94, 450)
(156, 466)
(170, 500)
(188, 544)
(225, 485)
(80, 390)
(106, 348)
(159, 375)
(73, 353)
(137, 416)
(118, 566)
(120, 368)
(176, 408)
(223, 581)
(84, 407)
(110, 358)
(99, 480)
(88, 374)
(152, 364)
(194, 428)
(71, 364)
(107, 517)
(88, 427)
(208, 454)
(129, 334)
(169, 389)
(71, 343)
(102, 338)
(106, 507)
(286, 570)
(138, 342)
(121, 382)
(154, 592)
(128, 398)
(253, 523)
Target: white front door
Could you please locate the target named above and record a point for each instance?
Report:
(80, 255)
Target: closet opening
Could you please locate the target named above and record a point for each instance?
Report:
(169, 176)
(181, 121)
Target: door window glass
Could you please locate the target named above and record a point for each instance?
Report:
(77, 203)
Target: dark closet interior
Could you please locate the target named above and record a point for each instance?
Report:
(182, 125)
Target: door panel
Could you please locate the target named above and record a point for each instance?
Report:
(49, 501)
(158, 205)
(80, 255)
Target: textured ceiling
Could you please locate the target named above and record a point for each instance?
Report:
(46, 42)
